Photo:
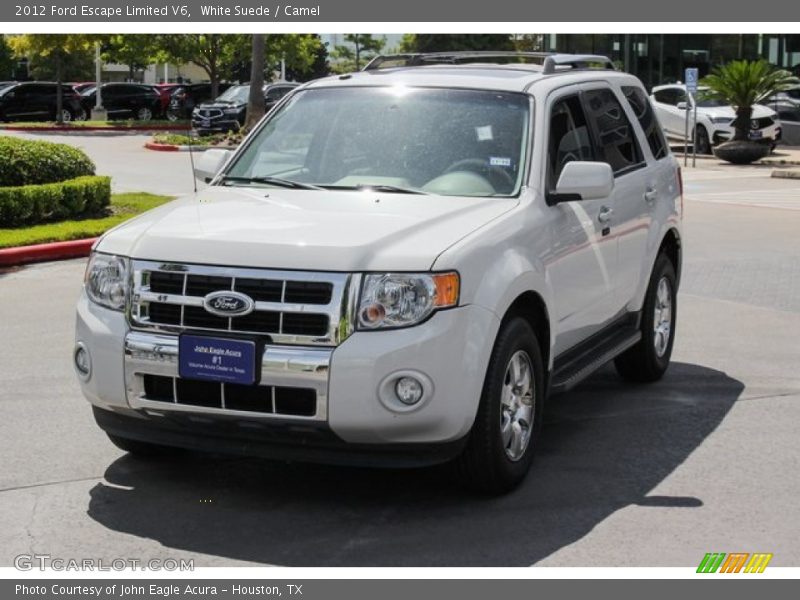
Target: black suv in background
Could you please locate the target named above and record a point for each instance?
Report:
(186, 97)
(229, 110)
(125, 101)
(36, 101)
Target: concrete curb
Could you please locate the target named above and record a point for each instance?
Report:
(786, 173)
(174, 147)
(10, 257)
(78, 129)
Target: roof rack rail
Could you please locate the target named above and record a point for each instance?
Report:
(549, 61)
(576, 61)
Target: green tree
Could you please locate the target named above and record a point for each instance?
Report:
(442, 42)
(319, 67)
(742, 84)
(57, 49)
(136, 51)
(216, 53)
(7, 62)
(299, 53)
(360, 46)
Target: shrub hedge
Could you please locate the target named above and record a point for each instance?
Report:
(23, 205)
(25, 162)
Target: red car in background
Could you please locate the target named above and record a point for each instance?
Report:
(165, 93)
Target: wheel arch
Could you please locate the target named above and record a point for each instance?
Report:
(672, 246)
(531, 306)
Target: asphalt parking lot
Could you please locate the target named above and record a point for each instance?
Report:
(133, 169)
(626, 475)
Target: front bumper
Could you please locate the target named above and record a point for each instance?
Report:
(353, 383)
(769, 134)
(221, 124)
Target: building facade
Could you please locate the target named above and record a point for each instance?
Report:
(662, 58)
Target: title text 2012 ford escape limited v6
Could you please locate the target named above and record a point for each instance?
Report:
(397, 267)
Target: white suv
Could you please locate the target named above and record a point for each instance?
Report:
(714, 118)
(398, 266)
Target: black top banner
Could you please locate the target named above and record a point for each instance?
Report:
(355, 11)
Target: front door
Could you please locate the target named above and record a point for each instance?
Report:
(583, 254)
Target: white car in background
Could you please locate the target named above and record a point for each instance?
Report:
(714, 118)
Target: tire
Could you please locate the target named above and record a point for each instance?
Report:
(648, 360)
(140, 449)
(66, 115)
(702, 143)
(493, 462)
(173, 115)
(144, 114)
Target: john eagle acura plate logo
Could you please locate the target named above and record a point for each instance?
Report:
(228, 304)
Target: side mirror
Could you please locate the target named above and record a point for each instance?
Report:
(583, 180)
(209, 163)
(682, 106)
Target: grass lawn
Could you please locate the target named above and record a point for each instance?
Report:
(123, 207)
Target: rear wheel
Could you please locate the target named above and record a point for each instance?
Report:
(172, 114)
(648, 360)
(501, 444)
(140, 449)
(144, 114)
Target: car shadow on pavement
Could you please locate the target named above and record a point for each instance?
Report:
(605, 446)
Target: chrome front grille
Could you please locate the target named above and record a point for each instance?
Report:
(291, 307)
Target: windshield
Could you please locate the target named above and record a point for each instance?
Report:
(236, 95)
(438, 141)
(704, 99)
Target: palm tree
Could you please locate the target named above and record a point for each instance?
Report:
(742, 84)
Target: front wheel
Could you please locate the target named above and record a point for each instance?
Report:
(501, 443)
(648, 360)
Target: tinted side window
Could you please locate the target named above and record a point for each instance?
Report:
(616, 138)
(277, 93)
(647, 119)
(569, 139)
(667, 96)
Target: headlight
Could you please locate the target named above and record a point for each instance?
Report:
(231, 111)
(106, 280)
(720, 119)
(402, 299)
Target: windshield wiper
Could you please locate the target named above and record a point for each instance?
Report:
(378, 187)
(276, 181)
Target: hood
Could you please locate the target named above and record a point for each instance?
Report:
(304, 229)
(759, 111)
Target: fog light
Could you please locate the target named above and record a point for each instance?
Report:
(408, 390)
(83, 362)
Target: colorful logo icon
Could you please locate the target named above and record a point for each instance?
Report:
(735, 562)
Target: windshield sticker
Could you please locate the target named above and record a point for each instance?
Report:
(499, 161)
(484, 133)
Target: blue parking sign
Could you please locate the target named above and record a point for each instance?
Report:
(692, 75)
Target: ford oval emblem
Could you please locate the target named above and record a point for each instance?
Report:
(228, 304)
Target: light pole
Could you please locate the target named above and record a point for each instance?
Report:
(98, 112)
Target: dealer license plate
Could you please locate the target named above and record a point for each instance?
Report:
(217, 359)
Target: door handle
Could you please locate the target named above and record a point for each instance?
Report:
(604, 216)
(651, 195)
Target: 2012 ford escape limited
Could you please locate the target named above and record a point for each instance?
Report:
(397, 267)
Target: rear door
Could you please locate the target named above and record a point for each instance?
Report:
(634, 146)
